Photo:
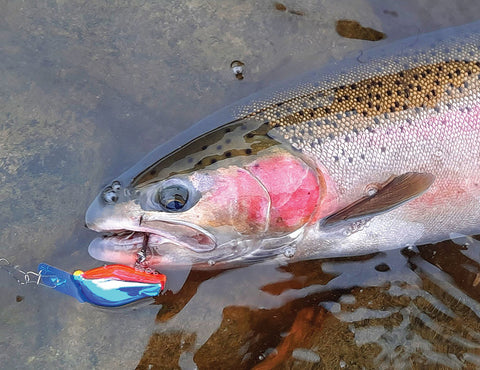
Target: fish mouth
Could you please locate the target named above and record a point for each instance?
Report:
(165, 243)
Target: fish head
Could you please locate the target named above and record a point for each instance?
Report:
(232, 195)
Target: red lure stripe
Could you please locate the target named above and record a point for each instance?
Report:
(124, 273)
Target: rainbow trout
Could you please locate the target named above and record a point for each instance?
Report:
(373, 153)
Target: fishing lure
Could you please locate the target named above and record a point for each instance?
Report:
(107, 286)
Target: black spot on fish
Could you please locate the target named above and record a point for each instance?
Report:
(204, 147)
(228, 154)
(153, 172)
(248, 151)
(382, 267)
(213, 160)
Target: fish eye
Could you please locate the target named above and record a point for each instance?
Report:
(172, 195)
(172, 198)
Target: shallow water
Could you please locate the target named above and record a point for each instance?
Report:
(89, 88)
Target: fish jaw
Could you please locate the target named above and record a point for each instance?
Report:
(127, 229)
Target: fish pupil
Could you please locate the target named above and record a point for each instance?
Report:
(173, 198)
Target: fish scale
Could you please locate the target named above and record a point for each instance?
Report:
(391, 140)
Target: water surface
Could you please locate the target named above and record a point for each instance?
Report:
(88, 88)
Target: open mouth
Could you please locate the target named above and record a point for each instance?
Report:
(155, 240)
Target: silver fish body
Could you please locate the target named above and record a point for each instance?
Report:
(387, 145)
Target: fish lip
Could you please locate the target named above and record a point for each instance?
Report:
(160, 232)
(181, 233)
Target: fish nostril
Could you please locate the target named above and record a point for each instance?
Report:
(116, 186)
(109, 195)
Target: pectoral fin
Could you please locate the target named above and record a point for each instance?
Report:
(394, 192)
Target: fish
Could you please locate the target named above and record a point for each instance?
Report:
(374, 152)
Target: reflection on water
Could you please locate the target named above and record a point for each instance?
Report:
(416, 307)
(88, 88)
